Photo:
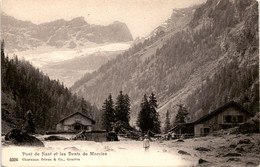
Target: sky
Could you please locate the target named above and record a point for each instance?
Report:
(141, 16)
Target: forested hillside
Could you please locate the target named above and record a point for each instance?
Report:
(25, 88)
(208, 59)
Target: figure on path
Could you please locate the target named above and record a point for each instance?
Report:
(146, 144)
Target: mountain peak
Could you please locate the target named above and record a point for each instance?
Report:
(118, 22)
(60, 33)
(78, 20)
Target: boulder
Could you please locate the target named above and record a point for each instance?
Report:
(244, 141)
(250, 164)
(247, 148)
(240, 149)
(20, 138)
(232, 145)
(232, 155)
(201, 161)
(183, 152)
(55, 138)
(233, 159)
(202, 149)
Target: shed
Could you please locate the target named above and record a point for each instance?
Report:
(75, 122)
(186, 128)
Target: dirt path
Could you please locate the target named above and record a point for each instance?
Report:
(232, 150)
(123, 153)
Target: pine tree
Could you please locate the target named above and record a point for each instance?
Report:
(108, 113)
(148, 117)
(167, 123)
(181, 115)
(154, 114)
(29, 126)
(119, 106)
(153, 101)
(143, 121)
(122, 108)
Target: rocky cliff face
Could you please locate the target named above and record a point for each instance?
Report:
(23, 35)
(200, 57)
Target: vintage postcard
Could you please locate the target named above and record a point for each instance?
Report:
(130, 83)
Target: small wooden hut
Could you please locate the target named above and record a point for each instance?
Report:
(75, 122)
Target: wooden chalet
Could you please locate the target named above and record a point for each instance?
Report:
(75, 122)
(227, 116)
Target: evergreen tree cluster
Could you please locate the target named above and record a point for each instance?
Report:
(108, 113)
(120, 111)
(148, 117)
(29, 89)
(122, 108)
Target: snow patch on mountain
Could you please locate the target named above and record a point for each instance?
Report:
(44, 55)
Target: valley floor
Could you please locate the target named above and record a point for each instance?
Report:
(229, 150)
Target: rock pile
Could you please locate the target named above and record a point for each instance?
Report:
(20, 138)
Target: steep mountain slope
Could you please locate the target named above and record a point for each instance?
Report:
(207, 59)
(22, 35)
(69, 71)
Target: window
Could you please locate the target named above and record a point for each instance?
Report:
(206, 131)
(77, 127)
(228, 119)
(233, 118)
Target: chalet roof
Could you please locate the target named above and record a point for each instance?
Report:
(218, 110)
(75, 114)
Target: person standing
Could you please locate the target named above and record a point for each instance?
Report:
(146, 143)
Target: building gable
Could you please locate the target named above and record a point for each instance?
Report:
(215, 120)
(74, 123)
(76, 115)
(221, 109)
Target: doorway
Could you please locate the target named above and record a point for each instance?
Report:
(77, 127)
